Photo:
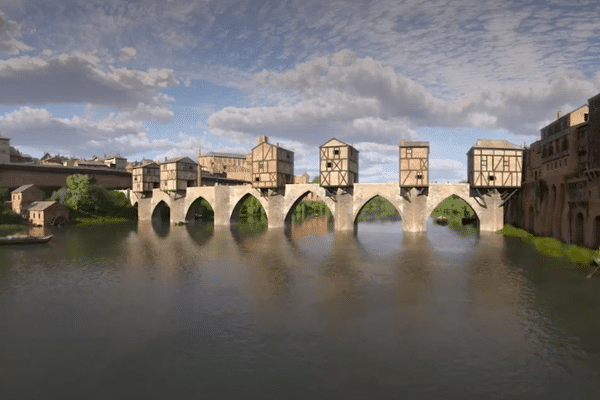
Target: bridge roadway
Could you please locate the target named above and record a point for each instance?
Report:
(414, 208)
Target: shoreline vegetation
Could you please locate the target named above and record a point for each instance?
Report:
(580, 256)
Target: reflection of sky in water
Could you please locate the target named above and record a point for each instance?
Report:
(380, 239)
(315, 248)
(451, 239)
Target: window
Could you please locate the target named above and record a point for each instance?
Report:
(585, 117)
(328, 164)
(336, 151)
(257, 179)
(419, 175)
(491, 177)
(483, 163)
(409, 152)
(505, 163)
(260, 165)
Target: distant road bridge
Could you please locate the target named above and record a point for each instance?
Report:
(414, 207)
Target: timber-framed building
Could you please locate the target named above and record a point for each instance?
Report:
(338, 165)
(272, 166)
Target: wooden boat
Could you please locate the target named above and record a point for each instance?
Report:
(24, 239)
(441, 220)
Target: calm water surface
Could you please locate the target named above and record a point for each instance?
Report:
(190, 312)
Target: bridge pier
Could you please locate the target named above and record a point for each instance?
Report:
(414, 212)
(343, 218)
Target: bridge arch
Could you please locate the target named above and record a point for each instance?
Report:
(161, 210)
(235, 210)
(289, 210)
(467, 199)
(383, 196)
(197, 205)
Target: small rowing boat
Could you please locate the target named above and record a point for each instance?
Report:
(441, 220)
(24, 239)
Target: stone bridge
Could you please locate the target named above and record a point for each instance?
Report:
(414, 207)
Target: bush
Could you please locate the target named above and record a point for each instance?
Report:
(9, 217)
(62, 196)
(120, 199)
(4, 194)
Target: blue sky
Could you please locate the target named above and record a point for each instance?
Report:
(164, 78)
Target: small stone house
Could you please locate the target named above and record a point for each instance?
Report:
(45, 212)
(24, 195)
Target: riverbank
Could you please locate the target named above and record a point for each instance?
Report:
(580, 256)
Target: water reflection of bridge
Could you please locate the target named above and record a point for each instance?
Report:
(414, 206)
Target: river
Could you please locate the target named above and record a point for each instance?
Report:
(147, 311)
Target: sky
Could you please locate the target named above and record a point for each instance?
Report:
(164, 78)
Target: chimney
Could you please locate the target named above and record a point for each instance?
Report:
(558, 114)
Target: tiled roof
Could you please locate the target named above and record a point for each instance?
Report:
(41, 205)
(498, 144)
(22, 188)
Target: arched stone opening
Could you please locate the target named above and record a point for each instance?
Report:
(455, 210)
(578, 229)
(377, 208)
(308, 215)
(162, 212)
(248, 216)
(200, 211)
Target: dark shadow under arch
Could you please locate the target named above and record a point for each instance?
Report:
(161, 212)
(578, 229)
(200, 211)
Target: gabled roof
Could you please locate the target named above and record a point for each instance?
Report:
(179, 159)
(496, 144)
(146, 163)
(23, 188)
(41, 205)
(230, 155)
(333, 142)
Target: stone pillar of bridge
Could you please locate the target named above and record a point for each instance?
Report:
(491, 218)
(145, 209)
(414, 212)
(222, 205)
(275, 211)
(342, 213)
(177, 208)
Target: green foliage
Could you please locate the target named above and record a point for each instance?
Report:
(553, 247)
(310, 209)
(4, 194)
(203, 211)
(61, 195)
(252, 208)
(454, 209)
(79, 187)
(9, 217)
(6, 230)
(120, 199)
(88, 200)
(316, 180)
(378, 209)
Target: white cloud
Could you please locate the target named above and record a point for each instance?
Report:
(127, 54)
(122, 132)
(78, 77)
(9, 32)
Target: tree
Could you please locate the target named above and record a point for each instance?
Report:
(316, 180)
(4, 195)
(79, 187)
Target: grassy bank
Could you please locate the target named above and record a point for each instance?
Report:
(82, 218)
(10, 223)
(581, 256)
